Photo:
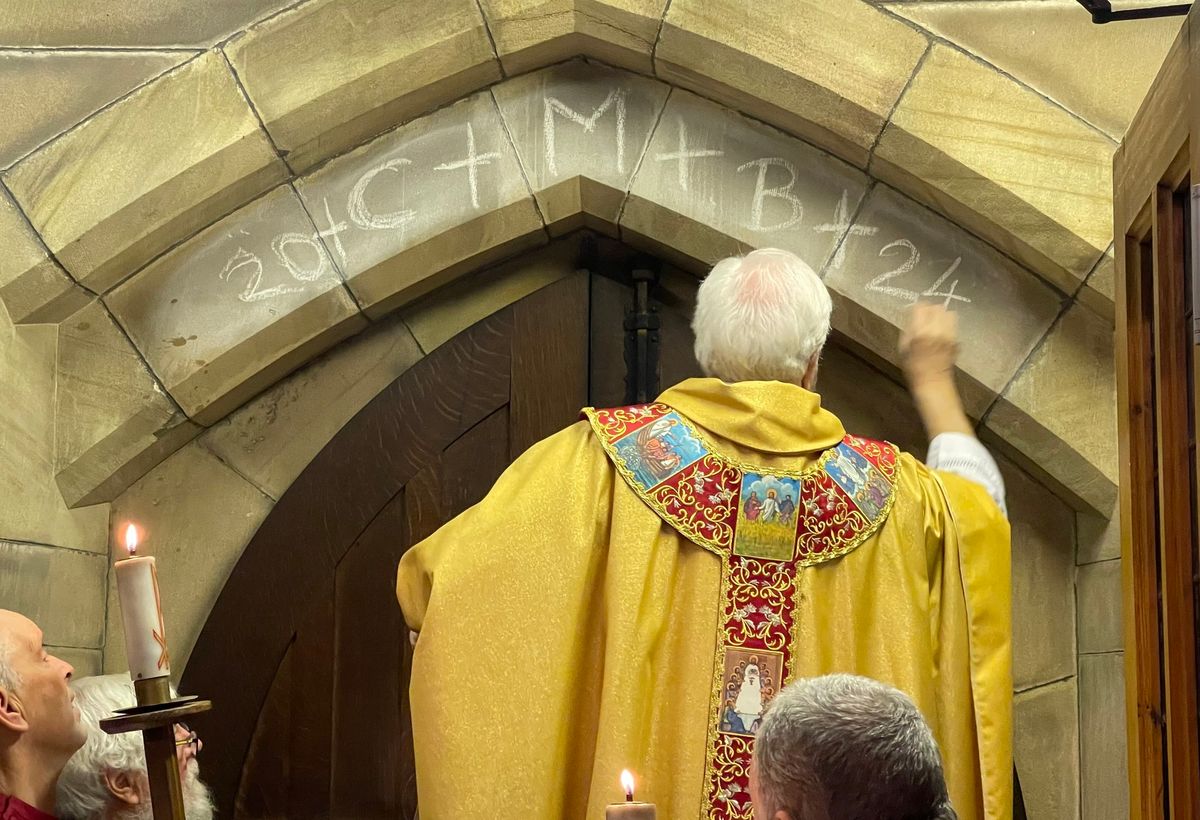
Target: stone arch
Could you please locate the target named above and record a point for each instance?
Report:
(278, 175)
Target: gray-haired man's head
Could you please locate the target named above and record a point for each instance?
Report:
(841, 747)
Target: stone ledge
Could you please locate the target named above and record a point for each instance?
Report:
(113, 421)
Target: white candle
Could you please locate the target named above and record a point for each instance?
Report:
(630, 809)
(141, 613)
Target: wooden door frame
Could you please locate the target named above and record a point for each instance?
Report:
(1158, 158)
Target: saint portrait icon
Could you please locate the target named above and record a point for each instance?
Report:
(751, 679)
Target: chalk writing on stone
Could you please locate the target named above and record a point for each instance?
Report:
(684, 155)
(553, 105)
(296, 267)
(334, 232)
(301, 254)
(471, 162)
(245, 263)
(933, 291)
(880, 283)
(363, 216)
(783, 192)
(840, 225)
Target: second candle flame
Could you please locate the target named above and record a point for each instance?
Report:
(131, 539)
(627, 784)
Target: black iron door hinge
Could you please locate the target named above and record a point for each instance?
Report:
(642, 338)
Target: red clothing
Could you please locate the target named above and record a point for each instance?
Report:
(13, 809)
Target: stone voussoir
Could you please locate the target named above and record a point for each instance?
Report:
(529, 34)
(1057, 418)
(580, 130)
(331, 74)
(897, 252)
(835, 91)
(238, 306)
(714, 183)
(113, 421)
(145, 173)
(34, 289)
(1004, 162)
(423, 204)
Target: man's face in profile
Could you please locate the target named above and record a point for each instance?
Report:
(43, 704)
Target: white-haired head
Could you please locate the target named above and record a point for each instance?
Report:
(109, 765)
(842, 747)
(762, 317)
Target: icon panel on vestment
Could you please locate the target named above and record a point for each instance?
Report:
(659, 450)
(866, 486)
(751, 678)
(766, 519)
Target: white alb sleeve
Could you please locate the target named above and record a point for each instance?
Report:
(965, 456)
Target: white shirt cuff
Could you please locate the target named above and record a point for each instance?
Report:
(965, 456)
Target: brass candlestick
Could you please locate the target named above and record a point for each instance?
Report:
(155, 717)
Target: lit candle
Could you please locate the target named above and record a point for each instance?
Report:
(629, 810)
(141, 612)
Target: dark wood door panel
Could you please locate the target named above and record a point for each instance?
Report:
(312, 716)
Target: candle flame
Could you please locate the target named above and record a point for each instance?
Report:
(627, 783)
(131, 539)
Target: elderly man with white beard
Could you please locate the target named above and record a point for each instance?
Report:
(106, 779)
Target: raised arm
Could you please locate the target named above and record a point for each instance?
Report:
(928, 352)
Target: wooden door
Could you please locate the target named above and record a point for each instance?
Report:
(306, 654)
(1156, 172)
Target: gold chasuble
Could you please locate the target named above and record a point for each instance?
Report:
(636, 588)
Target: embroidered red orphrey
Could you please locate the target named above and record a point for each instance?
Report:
(714, 501)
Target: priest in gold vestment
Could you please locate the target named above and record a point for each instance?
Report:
(634, 589)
